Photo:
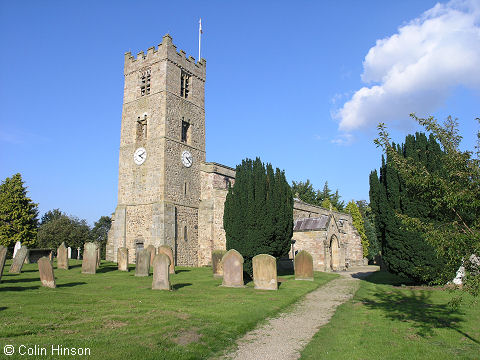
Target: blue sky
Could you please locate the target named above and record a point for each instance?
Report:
(301, 84)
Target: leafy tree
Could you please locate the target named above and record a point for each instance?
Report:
(327, 204)
(369, 223)
(69, 229)
(306, 193)
(258, 215)
(18, 214)
(358, 223)
(51, 215)
(447, 184)
(100, 233)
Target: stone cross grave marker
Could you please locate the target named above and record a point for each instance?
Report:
(161, 272)
(45, 268)
(303, 265)
(232, 269)
(19, 260)
(142, 267)
(265, 272)
(3, 257)
(152, 252)
(122, 259)
(217, 267)
(17, 247)
(167, 250)
(89, 262)
(62, 257)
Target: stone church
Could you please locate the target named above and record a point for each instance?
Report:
(169, 195)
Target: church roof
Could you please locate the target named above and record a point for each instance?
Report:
(311, 224)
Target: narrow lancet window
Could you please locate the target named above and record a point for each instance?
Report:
(184, 85)
(145, 82)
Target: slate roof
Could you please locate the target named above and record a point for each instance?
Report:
(311, 224)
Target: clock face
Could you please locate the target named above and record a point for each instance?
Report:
(139, 156)
(187, 158)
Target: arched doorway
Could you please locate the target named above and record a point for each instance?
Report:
(334, 253)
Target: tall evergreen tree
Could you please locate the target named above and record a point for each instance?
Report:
(18, 213)
(258, 215)
(358, 223)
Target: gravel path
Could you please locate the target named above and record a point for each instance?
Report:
(283, 337)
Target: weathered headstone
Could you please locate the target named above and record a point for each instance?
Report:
(122, 259)
(45, 268)
(153, 252)
(69, 252)
(265, 272)
(217, 267)
(78, 253)
(142, 267)
(232, 269)
(161, 272)
(3, 257)
(62, 257)
(98, 258)
(303, 265)
(167, 250)
(19, 260)
(89, 262)
(17, 247)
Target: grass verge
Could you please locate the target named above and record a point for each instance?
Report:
(388, 321)
(118, 316)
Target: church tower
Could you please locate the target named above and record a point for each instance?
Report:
(162, 147)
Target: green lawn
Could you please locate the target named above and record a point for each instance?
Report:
(398, 322)
(118, 316)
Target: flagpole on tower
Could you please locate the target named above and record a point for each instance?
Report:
(200, 32)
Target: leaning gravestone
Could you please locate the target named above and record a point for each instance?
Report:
(167, 250)
(17, 247)
(303, 265)
(152, 251)
(161, 265)
(217, 267)
(142, 267)
(265, 272)
(3, 257)
(62, 257)
(122, 259)
(19, 260)
(45, 268)
(232, 269)
(89, 262)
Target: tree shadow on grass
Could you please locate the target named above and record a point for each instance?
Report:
(18, 288)
(70, 284)
(416, 308)
(181, 285)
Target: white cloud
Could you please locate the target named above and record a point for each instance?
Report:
(416, 69)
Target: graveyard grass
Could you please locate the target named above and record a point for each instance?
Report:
(386, 320)
(119, 316)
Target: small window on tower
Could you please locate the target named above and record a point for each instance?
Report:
(185, 237)
(184, 84)
(185, 131)
(142, 128)
(145, 82)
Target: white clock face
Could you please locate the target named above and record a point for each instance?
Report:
(139, 156)
(187, 158)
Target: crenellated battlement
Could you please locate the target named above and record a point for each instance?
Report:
(166, 51)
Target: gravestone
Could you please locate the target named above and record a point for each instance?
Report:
(45, 268)
(17, 247)
(232, 269)
(19, 260)
(217, 267)
(152, 251)
(69, 252)
(78, 253)
(122, 259)
(142, 267)
(89, 262)
(167, 250)
(161, 272)
(98, 258)
(265, 272)
(62, 257)
(3, 257)
(303, 265)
